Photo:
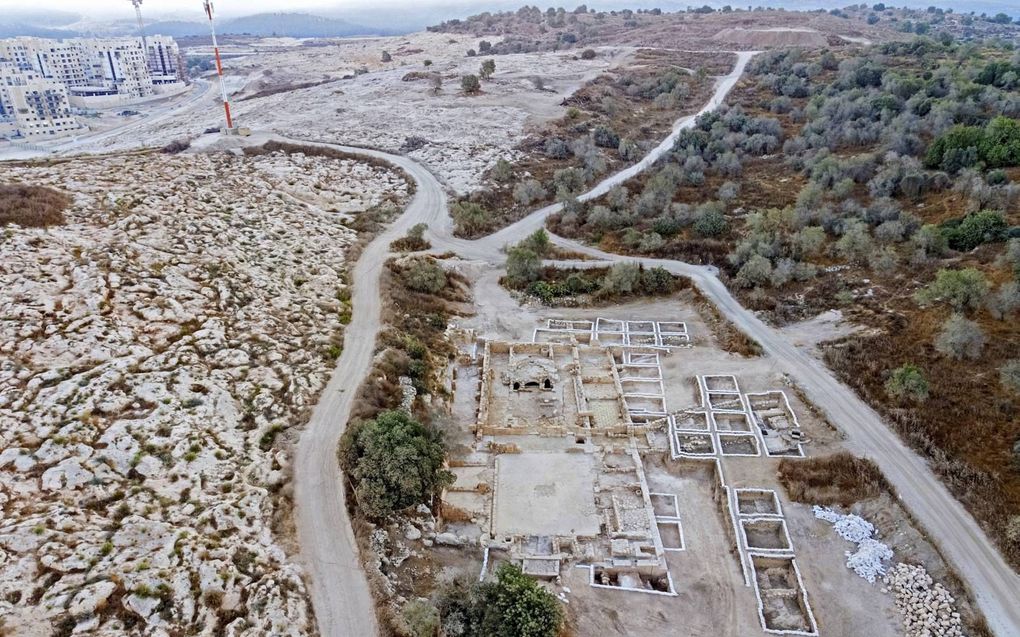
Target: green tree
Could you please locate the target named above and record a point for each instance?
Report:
(986, 226)
(756, 271)
(394, 462)
(519, 607)
(907, 382)
(470, 84)
(538, 242)
(622, 279)
(964, 289)
(487, 68)
(522, 267)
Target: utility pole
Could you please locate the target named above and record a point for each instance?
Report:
(219, 65)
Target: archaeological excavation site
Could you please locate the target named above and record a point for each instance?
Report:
(635, 468)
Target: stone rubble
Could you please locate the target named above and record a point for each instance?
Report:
(152, 352)
(928, 609)
(867, 560)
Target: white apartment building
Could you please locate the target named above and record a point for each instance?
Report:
(33, 107)
(104, 72)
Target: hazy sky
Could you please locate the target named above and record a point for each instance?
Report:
(107, 8)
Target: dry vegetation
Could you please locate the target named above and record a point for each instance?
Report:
(840, 478)
(32, 206)
(854, 213)
(611, 122)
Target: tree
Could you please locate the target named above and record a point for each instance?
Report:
(513, 605)
(424, 275)
(470, 84)
(962, 289)
(386, 57)
(522, 267)
(487, 68)
(538, 242)
(418, 618)
(856, 244)
(437, 83)
(394, 462)
(623, 278)
(756, 271)
(986, 226)
(960, 338)
(528, 192)
(907, 382)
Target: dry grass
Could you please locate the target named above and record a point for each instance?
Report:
(32, 206)
(841, 478)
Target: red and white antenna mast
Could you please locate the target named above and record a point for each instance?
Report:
(219, 65)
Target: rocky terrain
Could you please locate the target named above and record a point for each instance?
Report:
(156, 353)
(351, 97)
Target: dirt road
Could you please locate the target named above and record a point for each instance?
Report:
(339, 590)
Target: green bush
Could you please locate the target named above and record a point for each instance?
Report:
(394, 462)
(711, 223)
(962, 289)
(907, 382)
(512, 606)
(997, 145)
(986, 226)
(469, 217)
(522, 267)
(470, 84)
(424, 275)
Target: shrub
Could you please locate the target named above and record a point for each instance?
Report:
(907, 382)
(424, 275)
(856, 244)
(588, 54)
(830, 480)
(1009, 375)
(528, 192)
(469, 217)
(755, 272)
(556, 148)
(986, 226)
(960, 338)
(470, 84)
(1013, 526)
(386, 57)
(622, 279)
(502, 171)
(394, 462)
(419, 618)
(487, 68)
(177, 146)
(538, 242)
(32, 206)
(604, 137)
(522, 267)
(711, 223)
(512, 606)
(962, 289)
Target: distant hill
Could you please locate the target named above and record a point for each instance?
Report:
(297, 25)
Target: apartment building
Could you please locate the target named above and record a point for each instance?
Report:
(33, 107)
(101, 72)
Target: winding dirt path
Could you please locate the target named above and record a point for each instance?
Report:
(338, 585)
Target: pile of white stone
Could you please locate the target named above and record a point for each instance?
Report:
(868, 560)
(927, 608)
(154, 351)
